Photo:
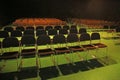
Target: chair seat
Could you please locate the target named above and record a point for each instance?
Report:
(76, 48)
(89, 47)
(45, 52)
(62, 50)
(100, 45)
(9, 55)
(28, 52)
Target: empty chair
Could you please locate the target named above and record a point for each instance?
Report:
(82, 30)
(29, 32)
(48, 27)
(73, 26)
(8, 29)
(44, 40)
(96, 36)
(63, 31)
(86, 37)
(39, 27)
(96, 41)
(4, 34)
(21, 28)
(73, 44)
(10, 49)
(57, 39)
(86, 44)
(58, 27)
(27, 41)
(61, 48)
(28, 48)
(66, 27)
(30, 28)
(16, 33)
(52, 32)
(73, 30)
(73, 39)
(41, 32)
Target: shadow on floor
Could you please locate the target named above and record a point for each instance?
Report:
(107, 60)
(53, 71)
(28, 72)
(66, 69)
(48, 72)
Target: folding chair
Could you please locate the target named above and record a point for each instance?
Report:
(30, 28)
(73, 30)
(86, 37)
(8, 29)
(63, 31)
(16, 33)
(45, 41)
(86, 40)
(21, 28)
(39, 27)
(48, 27)
(52, 32)
(66, 27)
(58, 27)
(73, 26)
(82, 30)
(10, 49)
(74, 44)
(29, 32)
(96, 41)
(4, 34)
(28, 48)
(61, 48)
(41, 32)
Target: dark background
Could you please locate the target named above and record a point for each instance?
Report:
(86, 9)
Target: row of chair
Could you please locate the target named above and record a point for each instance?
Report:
(39, 21)
(18, 33)
(21, 28)
(51, 49)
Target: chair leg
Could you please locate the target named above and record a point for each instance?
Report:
(21, 63)
(106, 56)
(4, 61)
(53, 60)
(67, 58)
(37, 64)
(86, 55)
(79, 56)
(72, 57)
(17, 63)
(56, 58)
(39, 61)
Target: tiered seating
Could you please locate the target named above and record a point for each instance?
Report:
(92, 24)
(38, 21)
(58, 45)
(40, 30)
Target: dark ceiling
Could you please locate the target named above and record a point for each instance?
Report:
(90, 9)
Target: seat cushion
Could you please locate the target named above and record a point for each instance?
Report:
(28, 52)
(89, 47)
(45, 52)
(76, 48)
(62, 50)
(9, 55)
(100, 45)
